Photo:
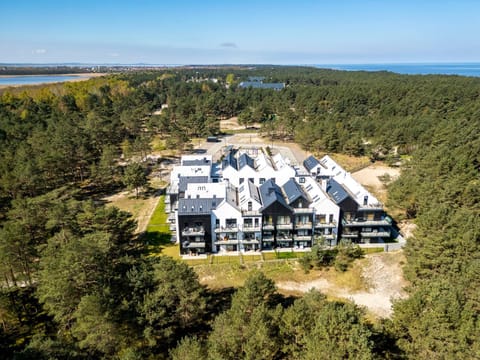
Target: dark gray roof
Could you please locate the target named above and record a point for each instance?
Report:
(196, 162)
(201, 206)
(183, 181)
(310, 163)
(270, 193)
(254, 192)
(229, 160)
(293, 191)
(243, 160)
(260, 85)
(336, 191)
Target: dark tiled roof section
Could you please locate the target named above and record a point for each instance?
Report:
(229, 160)
(310, 163)
(271, 192)
(243, 160)
(293, 191)
(202, 206)
(196, 162)
(336, 191)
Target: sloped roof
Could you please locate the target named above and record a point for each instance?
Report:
(229, 160)
(244, 160)
(254, 192)
(293, 191)
(201, 206)
(310, 163)
(336, 191)
(270, 193)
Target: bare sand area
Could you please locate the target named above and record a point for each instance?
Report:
(383, 277)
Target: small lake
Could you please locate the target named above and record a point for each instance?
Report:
(35, 79)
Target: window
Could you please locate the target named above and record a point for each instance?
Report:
(249, 206)
(251, 179)
(302, 180)
(365, 200)
(241, 180)
(330, 218)
(262, 180)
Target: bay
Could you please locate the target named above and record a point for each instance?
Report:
(463, 69)
(35, 79)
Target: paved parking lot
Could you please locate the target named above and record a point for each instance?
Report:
(251, 140)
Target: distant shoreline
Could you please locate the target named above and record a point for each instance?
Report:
(77, 77)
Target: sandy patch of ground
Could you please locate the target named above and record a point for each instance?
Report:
(141, 209)
(382, 275)
(370, 177)
(230, 124)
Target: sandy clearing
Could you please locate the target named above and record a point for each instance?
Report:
(369, 176)
(141, 209)
(383, 276)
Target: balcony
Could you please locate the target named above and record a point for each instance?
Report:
(227, 242)
(330, 236)
(194, 245)
(268, 239)
(226, 229)
(173, 227)
(193, 231)
(349, 235)
(172, 189)
(325, 225)
(303, 210)
(251, 228)
(376, 206)
(267, 226)
(373, 234)
(250, 242)
(284, 239)
(307, 225)
(360, 222)
(302, 237)
(288, 226)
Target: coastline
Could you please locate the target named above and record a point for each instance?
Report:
(78, 77)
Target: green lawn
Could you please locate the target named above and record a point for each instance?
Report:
(158, 233)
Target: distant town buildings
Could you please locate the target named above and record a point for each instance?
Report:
(250, 201)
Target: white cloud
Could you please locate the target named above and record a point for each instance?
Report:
(114, 54)
(39, 51)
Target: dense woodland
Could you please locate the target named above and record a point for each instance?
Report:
(78, 284)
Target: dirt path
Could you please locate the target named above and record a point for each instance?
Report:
(383, 277)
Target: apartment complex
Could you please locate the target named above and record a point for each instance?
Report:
(251, 201)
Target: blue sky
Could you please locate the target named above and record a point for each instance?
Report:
(222, 32)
